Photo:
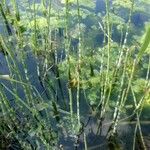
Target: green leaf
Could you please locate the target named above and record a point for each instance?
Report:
(145, 45)
(139, 85)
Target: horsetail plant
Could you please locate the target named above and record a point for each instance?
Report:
(77, 63)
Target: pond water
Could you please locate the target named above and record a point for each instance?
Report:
(59, 89)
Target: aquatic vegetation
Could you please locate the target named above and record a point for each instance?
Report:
(69, 67)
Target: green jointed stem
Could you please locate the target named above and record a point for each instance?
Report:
(78, 65)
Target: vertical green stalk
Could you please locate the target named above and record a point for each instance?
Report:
(122, 93)
(85, 142)
(108, 50)
(35, 29)
(118, 63)
(78, 66)
(68, 58)
(108, 37)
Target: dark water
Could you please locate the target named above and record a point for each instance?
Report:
(95, 142)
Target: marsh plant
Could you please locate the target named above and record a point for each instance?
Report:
(69, 62)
